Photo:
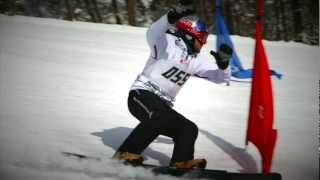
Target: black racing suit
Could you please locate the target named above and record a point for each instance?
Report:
(158, 118)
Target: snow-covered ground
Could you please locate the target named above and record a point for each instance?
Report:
(64, 86)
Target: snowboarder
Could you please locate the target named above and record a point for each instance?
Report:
(175, 42)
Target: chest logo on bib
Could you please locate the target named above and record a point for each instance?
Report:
(185, 58)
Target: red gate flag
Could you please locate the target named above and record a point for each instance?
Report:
(260, 124)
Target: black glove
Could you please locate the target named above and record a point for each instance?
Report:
(222, 56)
(185, 8)
(186, 2)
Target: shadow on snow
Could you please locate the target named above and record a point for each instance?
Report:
(115, 136)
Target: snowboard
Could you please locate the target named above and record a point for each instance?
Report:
(192, 173)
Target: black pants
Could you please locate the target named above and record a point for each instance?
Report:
(157, 118)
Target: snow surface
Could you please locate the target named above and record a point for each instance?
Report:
(64, 86)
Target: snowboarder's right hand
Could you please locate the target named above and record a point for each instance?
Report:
(185, 8)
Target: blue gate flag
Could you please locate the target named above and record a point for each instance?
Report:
(223, 36)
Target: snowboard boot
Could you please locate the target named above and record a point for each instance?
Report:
(129, 158)
(191, 164)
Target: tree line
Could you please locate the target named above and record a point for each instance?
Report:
(287, 20)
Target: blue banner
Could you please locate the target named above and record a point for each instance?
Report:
(223, 36)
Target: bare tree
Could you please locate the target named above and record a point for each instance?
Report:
(283, 20)
(88, 7)
(229, 16)
(116, 11)
(202, 9)
(69, 10)
(96, 10)
(131, 9)
(279, 26)
(92, 9)
(296, 13)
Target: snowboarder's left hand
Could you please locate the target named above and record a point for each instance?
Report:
(185, 2)
(222, 56)
(185, 8)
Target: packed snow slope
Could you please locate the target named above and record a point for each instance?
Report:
(64, 86)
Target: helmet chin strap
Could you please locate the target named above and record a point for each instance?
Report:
(189, 40)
